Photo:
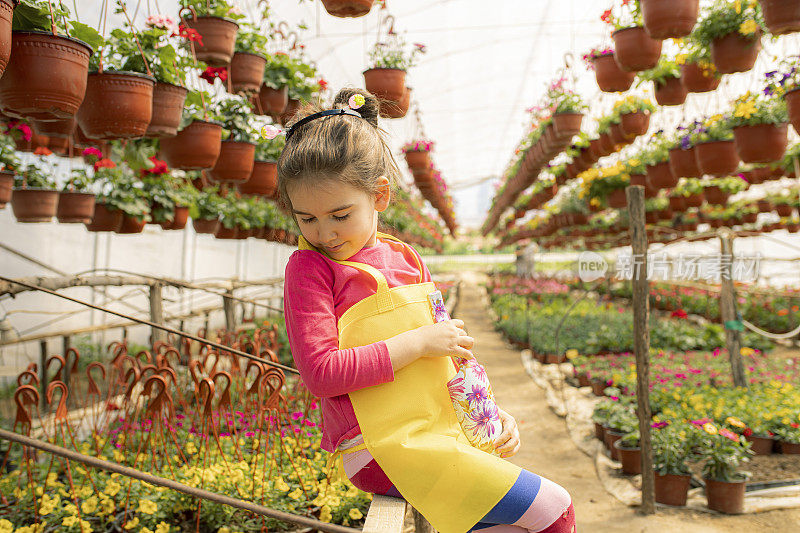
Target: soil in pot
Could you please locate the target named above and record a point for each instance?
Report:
(105, 219)
(168, 100)
(219, 39)
(386, 83)
(75, 207)
(698, 80)
(6, 184)
(118, 105)
(762, 143)
(205, 225)
(672, 92)
(631, 459)
(735, 52)
(672, 489)
(195, 147)
(611, 78)
(725, 497)
(347, 8)
(34, 205)
(246, 72)
(635, 50)
(684, 163)
(718, 158)
(130, 225)
(665, 20)
(235, 162)
(271, 101)
(781, 16)
(45, 77)
(263, 180)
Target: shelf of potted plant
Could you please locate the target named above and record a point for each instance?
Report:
(733, 33)
(347, 8)
(698, 72)
(717, 190)
(214, 24)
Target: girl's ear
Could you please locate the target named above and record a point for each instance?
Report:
(382, 194)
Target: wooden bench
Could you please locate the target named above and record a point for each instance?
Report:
(387, 515)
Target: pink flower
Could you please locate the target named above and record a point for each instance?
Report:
(269, 131)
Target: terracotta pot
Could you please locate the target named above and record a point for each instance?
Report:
(62, 128)
(694, 200)
(665, 20)
(6, 14)
(793, 104)
(790, 447)
(118, 105)
(673, 92)
(735, 53)
(749, 218)
(764, 206)
(684, 163)
(235, 162)
(271, 101)
(598, 386)
(399, 109)
(418, 159)
(596, 149)
(34, 205)
(696, 80)
(219, 39)
(195, 147)
(718, 158)
(617, 199)
(179, 219)
(612, 437)
(292, 106)
(263, 180)
(611, 78)
(168, 100)
(567, 125)
(386, 83)
(130, 225)
(75, 207)
(635, 50)
(762, 143)
(599, 431)
(618, 136)
(665, 214)
(761, 445)
(651, 217)
(45, 77)
(347, 8)
(672, 489)
(6, 184)
(226, 233)
(660, 176)
(635, 124)
(205, 225)
(781, 16)
(631, 459)
(607, 143)
(784, 210)
(725, 497)
(58, 145)
(246, 72)
(677, 203)
(105, 219)
(714, 195)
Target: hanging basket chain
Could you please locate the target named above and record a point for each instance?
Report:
(136, 38)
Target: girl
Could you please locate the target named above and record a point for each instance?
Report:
(365, 343)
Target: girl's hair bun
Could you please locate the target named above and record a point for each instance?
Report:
(369, 110)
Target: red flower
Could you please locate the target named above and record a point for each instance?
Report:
(159, 167)
(27, 133)
(104, 163)
(42, 150)
(322, 84)
(606, 16)
(747, 432)
(93, 152)
(680, 313)
(729, 434)
(215, 72)
(191, 34)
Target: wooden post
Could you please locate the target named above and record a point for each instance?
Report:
(156, 313)
(43, 372)
(727, 308)
(641, 340)
(230, 311)
(205, 326)
(65, 343)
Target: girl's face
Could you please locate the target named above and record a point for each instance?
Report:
(337, 217)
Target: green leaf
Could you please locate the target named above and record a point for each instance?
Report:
(30, 16)
(86, 34)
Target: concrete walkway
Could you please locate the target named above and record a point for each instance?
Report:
(548, 451)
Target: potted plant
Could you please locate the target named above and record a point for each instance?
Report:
(274, 94)
(264, 178)
(788, 436)
(781, 16)
(205, 211)
(248, 62)
(6, 16)
(669, 20)
(34, 198)
(723, 452)
(303, 84)
(347, 8)
(121, 192)
(106, 174)
(610, 78)
(733, 32)
(76, 201)
(417, 153)
(656, 157)
(714, 147)
(634, 49)
(386, 77)
(633, 113)
(666, 78)
(629, 453)
(671, 450)
(9, 162)
(691, 190)
(567, 109)
(698, 73)
(784, 203)
(760, 128)
(682, 159)
(214, 21)
(235, 162)
(637, 170)
(198, 142)
(717, 190)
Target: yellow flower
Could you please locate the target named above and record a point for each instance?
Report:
(133, 523)
(355, 514)
(325, 514)
(119, 456)
(85, 492)
(224, 530)
(86, 527)
(190, 447)
(745, 109)
(6, 526)
(737, 5)
(748, 27)
(296, 493)
(112, 488)
(148, 507)
(747, 351)
(70, 521)
(145, 530)
(106, 505)
(733, 421)
(572, 353)
(89, 506)
(48, 504)
(710, 428)
(680, 59)
(281, 485)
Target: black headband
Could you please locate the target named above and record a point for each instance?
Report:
(329, 112)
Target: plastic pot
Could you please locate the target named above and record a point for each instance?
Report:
(105, 219)
(762, 143)
(118, 105)
(790, 447)
(612, 437)
(631, 459)
(665, 20)
(635, 50)
(33, 204)
(205, 225)
(168, 100)
(6, 184)
(195, 147)
(735, 52)
(389, 109)
(75, 207)
(219, 39)
(635, 124)
(347, 8)
(672, 92)
(784, 210)
(263, 180)
(386, 83)
(781, 16)
(567, 125)
(611, 78)
(698, 80)
(130, 225)
(725, 497)
(684, 163)
(246, 72)
(271, 101)
(714, 195)
(235, 162)
(660, 176)
(717, 158)
(672, 489)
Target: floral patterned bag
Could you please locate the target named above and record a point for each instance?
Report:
(471, 393)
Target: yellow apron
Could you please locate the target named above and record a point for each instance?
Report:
(409, 425)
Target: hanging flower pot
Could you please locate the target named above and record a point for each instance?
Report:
(762, 143)
(694, 200)
(45, 77)
(34, 204)
(6, 184)
(697, 79)
(75, 207)
(226, 233)
(781, 16)
(735, 52)
(639, 179)
(105, 219)
(399, 109)
(235, 162)
(118, 105)
(386, 83)
(347, 8)
(195, 147)
(665, 20)
(58, 145)
(618, 135)
(672, 489)
(567, 124)
(635, 124)
(418, 159)
(292, 105)
(168, 100)
(715, 196)
(246, 72)
(6, 14)
(634, 50)
(783, 210)
(611, 78)
(596, 149)
(272, 101)
(717, 158)
(671, 92)
(725, 496)
(218, 39)
(617, 199)
(263, 180)
(651, 217)
(205, 225)
(630, 458)
(764, 206)
(660, 176)
(63, 127)
(130, 225)
(677, 203)
(749, 218)
(684, 163)
(607, 143)
(36, 141)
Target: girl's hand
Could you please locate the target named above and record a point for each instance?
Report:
(448, 338)
(507, 443)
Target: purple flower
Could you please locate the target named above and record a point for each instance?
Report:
(768, 91)
(770, 74)
(478, 394)
(480, 419)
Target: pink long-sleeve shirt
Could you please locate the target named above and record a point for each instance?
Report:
(317, 292)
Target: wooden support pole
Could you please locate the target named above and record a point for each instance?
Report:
(727, 308)
(43, 372)
(641, 340)
(156, 313)
(230, 311)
